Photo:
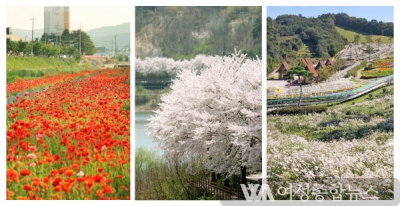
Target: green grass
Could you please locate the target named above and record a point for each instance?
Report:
(13, 75)
(36, 67)
(348, 110)
(366, 97)
(16, 63)
(353, 71)
(349, 35)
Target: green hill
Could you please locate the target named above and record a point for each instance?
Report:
(349, 35)
(105, 36)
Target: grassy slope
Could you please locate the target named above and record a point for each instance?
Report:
(296, 124)
(349, 35)
(16, 63)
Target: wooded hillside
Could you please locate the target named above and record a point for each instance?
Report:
(184, 32)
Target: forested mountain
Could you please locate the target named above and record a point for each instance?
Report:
(184, 32)
(288, 34)
(319, 32)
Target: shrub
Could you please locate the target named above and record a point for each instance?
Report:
(142, 95)
(369, 67)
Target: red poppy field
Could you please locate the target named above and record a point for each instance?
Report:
(72, 140)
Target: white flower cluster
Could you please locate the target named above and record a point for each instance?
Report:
(299, 158)
(172, 67)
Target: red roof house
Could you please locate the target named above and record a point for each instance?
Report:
(283, 69)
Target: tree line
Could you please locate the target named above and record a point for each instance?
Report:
(361, 24)
(73, 44)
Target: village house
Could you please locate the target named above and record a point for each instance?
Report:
(283, 69)
(308, 65)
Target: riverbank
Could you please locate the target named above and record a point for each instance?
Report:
(146, 108)
(154, 102)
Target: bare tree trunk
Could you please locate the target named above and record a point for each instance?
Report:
(243, 173)
(301, 93)
(213, 178)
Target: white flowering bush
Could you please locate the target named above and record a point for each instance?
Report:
(352, 143)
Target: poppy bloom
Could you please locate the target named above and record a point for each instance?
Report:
(22, 198)
(56, 181)
(80, 179)
(32, 149)
(107, 189)
(57, 188)
(98, 178)
(27, 187)
(99, 193)
(100, 169)
(12, 175)
(10, 193)
(31, 156)
(25, 172)
(69, 172)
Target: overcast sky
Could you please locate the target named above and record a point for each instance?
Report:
(90, 17)
(380, 13)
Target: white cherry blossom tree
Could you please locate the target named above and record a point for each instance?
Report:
(214, 114)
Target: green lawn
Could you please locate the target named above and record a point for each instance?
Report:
(349, 35)
(16, 63)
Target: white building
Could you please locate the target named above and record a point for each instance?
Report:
(56, 19)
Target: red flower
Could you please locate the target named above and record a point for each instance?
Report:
(25, 172)
(56, 181)
(98, 178)
(69, 172)
(12, 175)
(27, 187)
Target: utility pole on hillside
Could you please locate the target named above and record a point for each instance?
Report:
(33, 19)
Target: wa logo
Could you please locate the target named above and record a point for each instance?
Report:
(257, 192)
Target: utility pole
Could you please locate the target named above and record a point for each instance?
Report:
(57, 27)
(112, 45)
(33, 19)
(80, 39)
(116, 50)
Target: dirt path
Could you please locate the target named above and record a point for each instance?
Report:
(359, 73)
(273, 73)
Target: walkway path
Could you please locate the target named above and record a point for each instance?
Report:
(359, 73)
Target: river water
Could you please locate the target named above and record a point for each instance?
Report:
(142, 139)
